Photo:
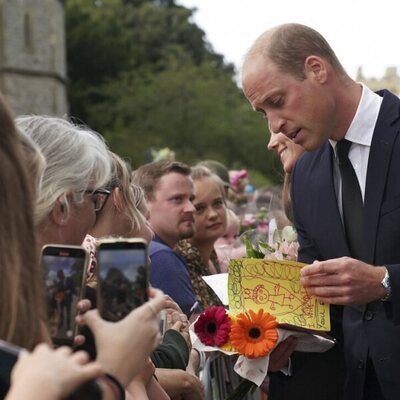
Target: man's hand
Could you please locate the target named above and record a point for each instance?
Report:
(279, 357)
(343, 281)
(180, 384)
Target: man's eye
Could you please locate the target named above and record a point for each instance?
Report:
(177, 199)
(262, 113)
(277, 101)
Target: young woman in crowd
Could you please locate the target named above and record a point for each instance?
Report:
(120, 215)
(125, 214)
(210, 224)
(288, 152)
(22, 311)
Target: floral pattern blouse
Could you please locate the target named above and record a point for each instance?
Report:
(197, 268)
(90, 244)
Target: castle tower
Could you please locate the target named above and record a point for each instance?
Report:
(32, 56)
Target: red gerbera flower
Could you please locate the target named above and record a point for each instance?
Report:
(213, 326)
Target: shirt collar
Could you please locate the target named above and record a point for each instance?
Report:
(362, 127)
(157, 239)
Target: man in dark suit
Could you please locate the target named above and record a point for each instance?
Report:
(346, 203)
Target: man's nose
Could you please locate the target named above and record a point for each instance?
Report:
(275, 122)
(189, 207)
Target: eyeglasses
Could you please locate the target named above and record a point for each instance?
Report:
(99, 198)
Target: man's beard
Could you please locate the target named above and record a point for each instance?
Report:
(186, 232)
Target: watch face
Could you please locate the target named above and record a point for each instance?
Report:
(385, 280)
(386, 284)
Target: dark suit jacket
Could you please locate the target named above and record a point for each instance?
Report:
(372, 329)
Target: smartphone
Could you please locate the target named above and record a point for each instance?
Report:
(64, 275)
(123, 269)
(163, 322)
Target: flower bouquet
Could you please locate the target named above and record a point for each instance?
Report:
(267, 304)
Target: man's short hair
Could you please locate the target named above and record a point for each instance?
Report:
(148, 175)
(290, 44)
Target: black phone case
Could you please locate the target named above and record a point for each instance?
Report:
(8, 358)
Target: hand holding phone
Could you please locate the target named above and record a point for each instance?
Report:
(132, 339)
(29, 373)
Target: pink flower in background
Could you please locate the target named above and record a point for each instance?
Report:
(227, 252)
(237, 179)
(239, 252)
(283, 251)
(262, 227)
(249, 219)
(284, 245)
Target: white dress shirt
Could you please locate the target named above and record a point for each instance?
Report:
(360, 134)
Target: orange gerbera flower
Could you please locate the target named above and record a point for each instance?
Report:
(254, 334)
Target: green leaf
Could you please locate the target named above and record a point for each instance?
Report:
(143, 74)
(267, 247)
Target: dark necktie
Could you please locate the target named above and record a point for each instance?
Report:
(351, 201)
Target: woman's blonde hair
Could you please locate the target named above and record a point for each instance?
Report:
(138, 194)
(22, 309)
(200, 172)
(140, 207)
(121, 177)
(232, 218)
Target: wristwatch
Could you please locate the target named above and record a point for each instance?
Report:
(386, 285)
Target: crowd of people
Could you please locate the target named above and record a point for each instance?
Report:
(337, 142)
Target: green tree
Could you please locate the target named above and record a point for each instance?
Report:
(144, 76)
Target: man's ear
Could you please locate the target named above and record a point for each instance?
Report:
(315, 67)
(59, 212)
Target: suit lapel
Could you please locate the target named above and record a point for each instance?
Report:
(378, 163)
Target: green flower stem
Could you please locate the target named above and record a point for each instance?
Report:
(244, 387)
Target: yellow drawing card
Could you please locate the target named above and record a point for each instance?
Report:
(274, 286)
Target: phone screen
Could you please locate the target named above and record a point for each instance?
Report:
(123, 275)
(65, 272)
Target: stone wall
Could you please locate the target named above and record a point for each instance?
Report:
(32, 56)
